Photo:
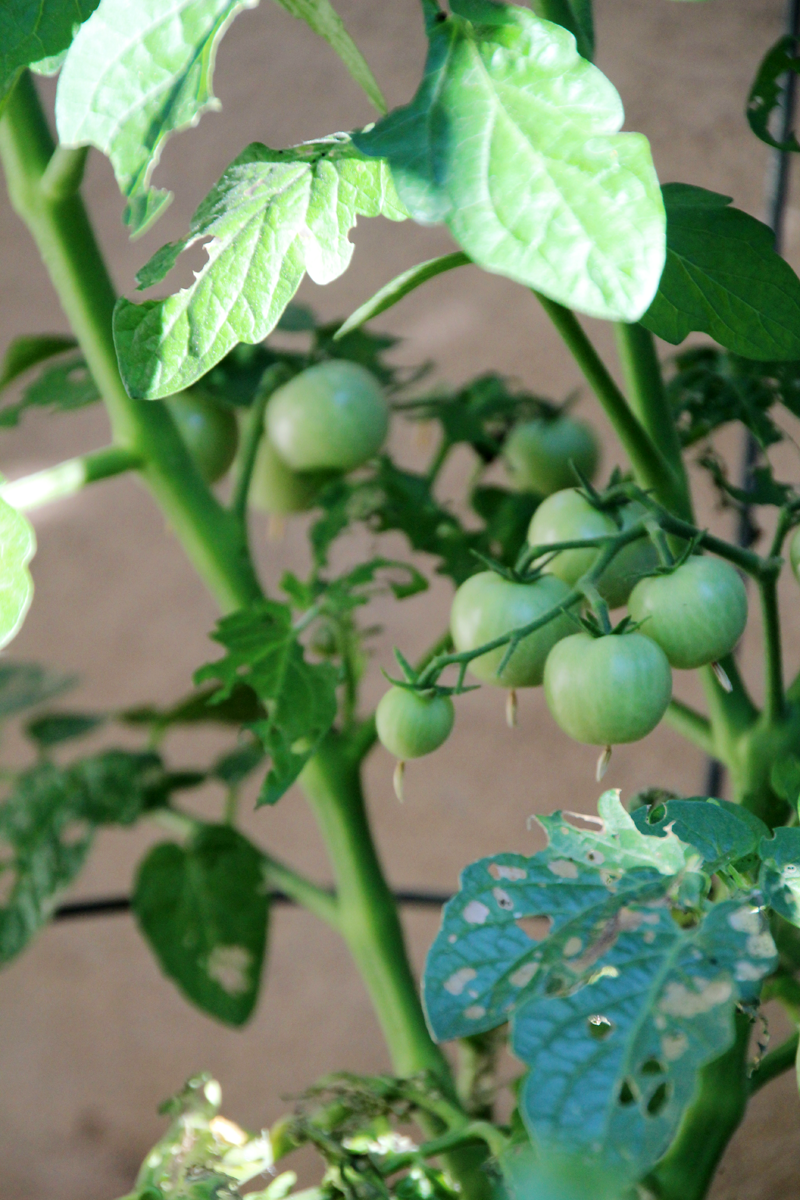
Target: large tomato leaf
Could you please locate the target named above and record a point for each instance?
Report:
(299, 697)
(273, 215)
(31, 30)
(619, 1004)
(721, 832)
(723, 277)
(204, 909)
(512, 140)
(17, 548)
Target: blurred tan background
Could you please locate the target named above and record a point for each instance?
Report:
(91, 1036)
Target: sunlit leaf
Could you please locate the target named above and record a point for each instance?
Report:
(512, 140)
(17, 548)
(274, 215)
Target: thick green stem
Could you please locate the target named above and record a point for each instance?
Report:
(650, 466)
(779, 1060)
(690, 725)
(687, 1169)
(67, 478)
(648, 397)
(60, 227)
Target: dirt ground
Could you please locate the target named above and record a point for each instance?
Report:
(93, 1037)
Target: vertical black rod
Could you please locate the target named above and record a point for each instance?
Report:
(777, 196)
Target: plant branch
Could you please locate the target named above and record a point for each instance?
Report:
(781, 1059)
(319, 901)
(774, 698)
(67, 478)
(649, 465)
(211, 537)
(63, 174)
(253, 431)
(690, 725)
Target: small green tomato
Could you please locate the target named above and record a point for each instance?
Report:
(209, 430)
(411, 724)
(539, 454)
(275, 488)
(332, 416)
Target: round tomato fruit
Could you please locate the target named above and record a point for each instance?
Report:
(275, 488)
(538, 454)
(696, 614)
(607, 690)
(568, 516)
(411, 724)
(210, 431)
(487, 606)
(333, 416)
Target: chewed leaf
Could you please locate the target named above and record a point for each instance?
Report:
(766, 94)
(614, 1064)
(513, 140)
(135, 74)
(720, 831)
(204, 910)
(273, 215)
(17, 548)
(780, 872)
(31, 30)
(723, 277)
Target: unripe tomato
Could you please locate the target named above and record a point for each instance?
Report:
(275, 488)
(696, 614)
(607, 690)
(794, 553)
(210, 431)
(411, 724)
(333, 416)
(486, 606)
(538, 454)
(568, 516)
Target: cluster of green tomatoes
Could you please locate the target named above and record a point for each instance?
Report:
(603, 686)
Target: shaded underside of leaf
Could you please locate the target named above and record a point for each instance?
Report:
(512, 139)
(273, 216)
(31, 30)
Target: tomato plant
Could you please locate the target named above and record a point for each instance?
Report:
(672, 921)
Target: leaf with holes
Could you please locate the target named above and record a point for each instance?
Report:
(721, 832)
(31, 30)
(723, 277)
(299, 697)
(766, 94)
(204, 909)
(137, 72)
(482, 963)
(273, 215)
(323, 18)
(512, 140)
(779, 878)
(17, 548)
(61, 386)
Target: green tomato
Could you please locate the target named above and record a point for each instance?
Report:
(696, 614)
(333, 416)
(607, 690)
(538, 454)
(210, 431)
(275, 488)
(794, 553)
(487, 606)
(411, 724)
(568, 516)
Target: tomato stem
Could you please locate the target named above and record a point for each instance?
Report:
(69, 477)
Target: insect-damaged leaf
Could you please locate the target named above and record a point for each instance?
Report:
(512, 140)
(723, 277)
(618, 1006)
(204, 909)
(779, 878)
(720, 831)
(273, 215)
(299, 697)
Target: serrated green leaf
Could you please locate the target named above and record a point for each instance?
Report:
(26, 352)
(779, 878)
(720, 831)
(618, 997)
(24, 685)
(273, 215)
(512, 140)
(202, 1156)
(47, 826)
(723, 277)
(766, 93)
(17, 548)
(31, 30)
(299, 697)
(323, 18)
(204, 909)
(136, 73)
